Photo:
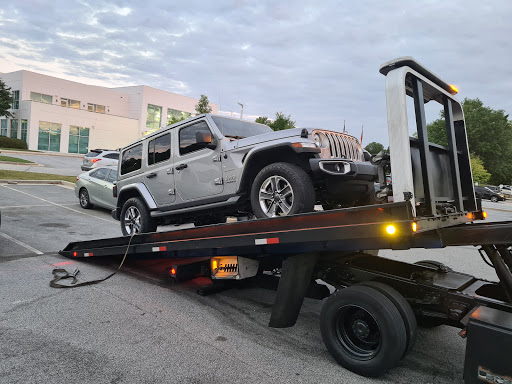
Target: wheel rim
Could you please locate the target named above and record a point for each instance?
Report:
(84, 198)
(132, 220)
(276, 196)
(494, 199)
(358, 332)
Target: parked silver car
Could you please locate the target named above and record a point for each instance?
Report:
(100, 158)
(95, 188)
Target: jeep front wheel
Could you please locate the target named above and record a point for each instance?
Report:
(135, 218)
(282, 189)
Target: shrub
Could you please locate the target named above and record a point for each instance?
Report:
(8, 142)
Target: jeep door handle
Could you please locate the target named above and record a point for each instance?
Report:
(181, 166)
(151, 175)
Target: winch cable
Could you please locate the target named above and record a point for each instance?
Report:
(61, 274)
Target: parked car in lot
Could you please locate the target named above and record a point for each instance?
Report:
(208, 167)
(95, 188)
(507, 191)
(100, 158)
(487, 193)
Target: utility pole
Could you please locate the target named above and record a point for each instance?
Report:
(242, 112)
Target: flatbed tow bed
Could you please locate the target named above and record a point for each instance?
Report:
(369, 323)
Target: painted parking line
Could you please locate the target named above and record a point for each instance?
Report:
(58, 205)
(26, 246)
(32, 206)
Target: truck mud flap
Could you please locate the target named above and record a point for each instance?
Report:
(295, 280)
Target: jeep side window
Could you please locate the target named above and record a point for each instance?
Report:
(132, 159)
(188, 137)
(159, 149)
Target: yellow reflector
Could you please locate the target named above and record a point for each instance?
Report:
(484, 214)
(414, 226)
(391, 229)
(215, 264)
(454, 88)
(470, 216)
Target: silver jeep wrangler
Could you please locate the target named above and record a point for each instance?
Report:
(208, 167)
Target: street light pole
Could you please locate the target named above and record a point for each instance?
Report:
(241, 113)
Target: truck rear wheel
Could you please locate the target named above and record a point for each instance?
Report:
(363, 330)
(135, 218)
(282, 189)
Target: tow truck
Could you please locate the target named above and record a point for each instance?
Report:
(369, 323)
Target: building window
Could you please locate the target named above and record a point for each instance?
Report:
(24, 127)
(3, 125)
(95, 108)
(69, 103)
(78, 139)
(154, 117)
(49, 136)
(41, 98)
(15, 99)
(173, 116)
(14, 128)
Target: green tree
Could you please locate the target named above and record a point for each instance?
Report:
(489, 137)
(263, 120)
(374, 147)
(176, 118)
(203, 106)
(5, 100)
(282, 122)
(480, 175)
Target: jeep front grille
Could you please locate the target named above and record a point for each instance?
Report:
(340, 146)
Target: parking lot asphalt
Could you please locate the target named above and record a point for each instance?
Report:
(138, 327)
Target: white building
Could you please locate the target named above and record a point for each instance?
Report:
(52, 114)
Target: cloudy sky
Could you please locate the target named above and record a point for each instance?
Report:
(315, 60)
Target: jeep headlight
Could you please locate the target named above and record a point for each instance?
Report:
(321, 140)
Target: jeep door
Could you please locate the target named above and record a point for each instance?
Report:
(197, 167)
(159, 175)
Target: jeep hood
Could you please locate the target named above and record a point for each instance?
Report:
(294, 132)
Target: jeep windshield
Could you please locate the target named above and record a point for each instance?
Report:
(239, 129)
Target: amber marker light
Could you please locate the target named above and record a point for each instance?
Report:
(173, 271)
(390, 229)
(454, 89)
(215, 264)
(75, 254)
(470, 216)
(414, 226)
(484, 214)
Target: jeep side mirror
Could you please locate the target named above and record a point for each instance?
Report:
(204, 138)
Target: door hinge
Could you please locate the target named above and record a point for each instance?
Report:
(172, 191)
(170, 171)
(216, 158)
(218, 181)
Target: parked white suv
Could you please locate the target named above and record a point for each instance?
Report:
(208, 167)
(100, 158)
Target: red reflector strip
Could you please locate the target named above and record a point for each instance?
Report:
(88, 254)
(158, 249)
(272, 240)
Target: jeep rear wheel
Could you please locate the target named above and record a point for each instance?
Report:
(135, 218)
(282, 189)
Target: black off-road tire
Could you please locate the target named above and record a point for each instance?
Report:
(403, 307)
(369, 198)
(301, 185)
(145, 224)
(363, 330)
(83, 198)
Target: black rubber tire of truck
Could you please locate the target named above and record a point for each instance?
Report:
(404, 308)
(138, 209)
(363, 330)
(303, 192)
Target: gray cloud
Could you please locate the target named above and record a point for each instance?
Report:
(317, 61)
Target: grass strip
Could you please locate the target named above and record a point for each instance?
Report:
(20, 175)
(15, 159)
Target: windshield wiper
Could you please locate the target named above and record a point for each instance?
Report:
(235, 137)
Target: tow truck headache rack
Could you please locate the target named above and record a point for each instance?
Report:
(370, 323)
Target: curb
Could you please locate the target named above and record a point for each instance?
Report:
(62, 182)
